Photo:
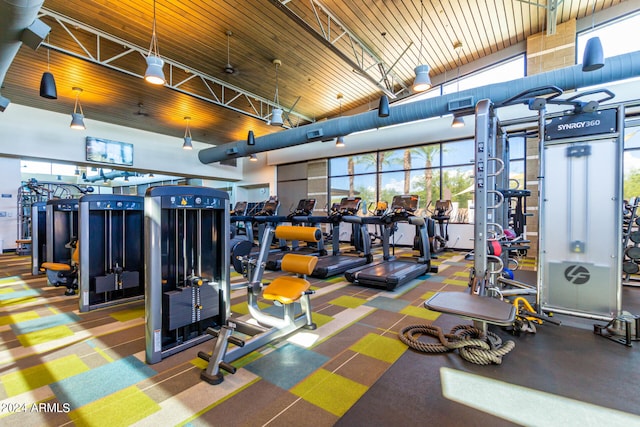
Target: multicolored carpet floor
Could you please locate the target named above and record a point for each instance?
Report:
(61, 367)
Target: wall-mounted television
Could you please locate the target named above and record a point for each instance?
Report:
(111, 152)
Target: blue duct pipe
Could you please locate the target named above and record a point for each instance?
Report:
(15, 16)
(616, 68)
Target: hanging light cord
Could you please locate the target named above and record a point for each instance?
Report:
(228, 54)
(276, 99)
(458, 77)
(78, 105)
(48, 54)
(421, 23)
(593, 15)
(187, 131)
(153, 48)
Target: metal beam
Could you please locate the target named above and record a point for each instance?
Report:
(218, 92)
(329, 30)
(552, 13)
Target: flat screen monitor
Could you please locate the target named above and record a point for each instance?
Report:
(111, 152)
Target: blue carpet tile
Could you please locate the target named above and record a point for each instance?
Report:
(389, 304)
(99, 382)
(20, 294)
(44, 323)
(287, 366)
(437, 279)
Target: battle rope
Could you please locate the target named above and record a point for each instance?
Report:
(473, 346)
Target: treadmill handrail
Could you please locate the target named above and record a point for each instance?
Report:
(272, 219)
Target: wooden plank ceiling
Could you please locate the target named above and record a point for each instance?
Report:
(193, 33)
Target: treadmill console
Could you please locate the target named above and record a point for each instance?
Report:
(305, 207)
(270, 207)
(239, 209)
(349, 205)
(442, 210)
(404, 205)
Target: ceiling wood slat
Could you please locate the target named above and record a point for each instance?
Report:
(192, 32)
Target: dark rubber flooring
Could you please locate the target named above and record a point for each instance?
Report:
(567, 360)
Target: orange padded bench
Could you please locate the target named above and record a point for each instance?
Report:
(288, 289)
(59, 273)
(23, 246)
(293, 232)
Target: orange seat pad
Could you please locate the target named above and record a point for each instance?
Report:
(56, 266)
(299, 264)
(285, 289)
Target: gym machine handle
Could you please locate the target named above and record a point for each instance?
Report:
(500, 196)
(500, 162)
(525, 96)
(497, 260)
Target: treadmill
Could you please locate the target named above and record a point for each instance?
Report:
(298, 217)
(391, 271)
(337, 262)
(241, 222)
(264, 215)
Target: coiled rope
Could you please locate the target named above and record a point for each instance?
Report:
(473, 346)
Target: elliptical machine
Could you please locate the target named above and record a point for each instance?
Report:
(439, 236)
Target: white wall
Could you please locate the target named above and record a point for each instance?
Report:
(259, 173)
(259, 180)
(460, 235)
(9, 184)
(37, 134)
(28, 133)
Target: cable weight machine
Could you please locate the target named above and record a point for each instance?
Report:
(186, 267)
(111, 239)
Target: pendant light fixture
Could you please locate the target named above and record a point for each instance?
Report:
(593, 57)
(47, 82)
(458, 121)
(383, 106)
(154, 73)
(253, 158)
(229, 68)
(422, 81)
(187, 145)
(276, 113)
(251, 138)
(77, 117)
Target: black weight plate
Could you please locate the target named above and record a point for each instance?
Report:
(634, 236)
(630, 267)
(633, 252)
(240, 248)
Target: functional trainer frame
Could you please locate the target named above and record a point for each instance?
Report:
(187, 286)
(111, 236)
